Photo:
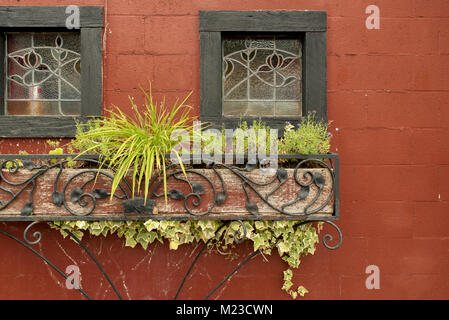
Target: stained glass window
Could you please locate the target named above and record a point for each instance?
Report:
(43, 73)
(261, 76)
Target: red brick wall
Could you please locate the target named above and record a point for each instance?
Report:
(388, 94)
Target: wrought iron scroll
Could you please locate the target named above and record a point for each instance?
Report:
(12, 189)
(305, 179)
(304, 183)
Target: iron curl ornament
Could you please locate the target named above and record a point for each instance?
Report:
(20, 176)
(304, 188)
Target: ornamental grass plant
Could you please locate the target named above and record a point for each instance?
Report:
(137, 142)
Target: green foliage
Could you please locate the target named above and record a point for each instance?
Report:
(136, 143)
(288, 275)
(94, 144)
(311, 136)
(291, 240)
(211, 142)
(58, 150)
(10, 165)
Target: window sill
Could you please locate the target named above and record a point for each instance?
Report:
(39, 127)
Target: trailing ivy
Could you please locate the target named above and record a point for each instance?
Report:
(290, 239)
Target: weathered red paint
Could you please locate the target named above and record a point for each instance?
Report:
(388, 95)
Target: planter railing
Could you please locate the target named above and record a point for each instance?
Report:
(307, 191)
(54, 187)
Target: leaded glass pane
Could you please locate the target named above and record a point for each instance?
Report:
(261, 76)
(43, 73)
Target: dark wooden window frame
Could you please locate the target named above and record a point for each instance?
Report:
(311, 25)
(53, 19)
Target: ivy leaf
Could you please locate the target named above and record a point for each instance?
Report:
(176, 194)
(76, 194)
(174, 245)
(79, 234)
(258, 241)
(293, 294)
(104, 232)
(143, 238)
(303, 193)
(130, 242)
(153, 235)
(221, 197)
(57, 198)
(252, 208)
(302, 291)
(235, 225)
(319, 180)
(27, 209)
(97, 228)
(283, 248)
(96, 232)
(130, 233)
(29, 165)
(288, 274)
(197, 187)
(208, 233)
(100, 193)
(81, 224)
(287, 285)
(260, 225)
(151, 225)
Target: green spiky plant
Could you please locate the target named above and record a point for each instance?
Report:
(137, 142)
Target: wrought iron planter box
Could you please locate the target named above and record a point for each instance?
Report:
(38, 187)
